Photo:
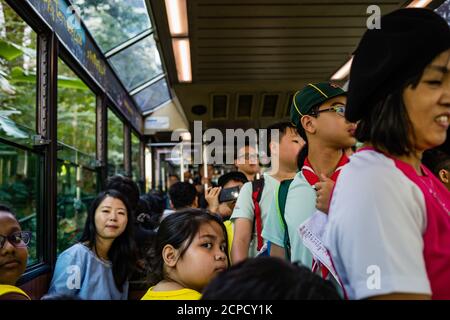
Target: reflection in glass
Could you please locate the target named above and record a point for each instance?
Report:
(76, 191)
(138, 63)
(152, 96)
(19, 190)
(112, 22)
(76, 111)
(115, 145)
(17, 68)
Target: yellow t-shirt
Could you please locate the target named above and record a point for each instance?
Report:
(230, 233)
(180, 294)
(5, 289)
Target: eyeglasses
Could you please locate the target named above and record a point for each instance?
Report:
(248, 156)
(339, 109)
(19, 239)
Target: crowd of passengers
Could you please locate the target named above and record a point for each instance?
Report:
(355, 204)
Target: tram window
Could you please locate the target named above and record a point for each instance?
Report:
(19, 189)
(138, 63)
(135, 147)
(20, 167)
(77, 189)
(115, 145)
(113, 22)
(17, 68)
(76, 176)
(76, 112)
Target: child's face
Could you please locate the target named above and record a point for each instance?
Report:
(204, 258)
(332, 128)
(13, 260)
(290, 145)
(111, 218)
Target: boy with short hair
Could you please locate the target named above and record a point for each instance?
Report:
(284, 154)
(318, 113)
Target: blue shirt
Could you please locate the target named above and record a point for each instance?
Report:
(79, 272)
(300, 205)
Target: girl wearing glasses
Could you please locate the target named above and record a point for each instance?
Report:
(13, 255)
(389, 221)
(98, 267)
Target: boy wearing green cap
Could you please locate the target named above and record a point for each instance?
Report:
(318, 113)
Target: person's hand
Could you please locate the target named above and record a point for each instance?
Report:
(324, 188)
(212, 197)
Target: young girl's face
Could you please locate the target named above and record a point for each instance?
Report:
(13, 258)
(428, 105)
(111, 218)
(204, 258)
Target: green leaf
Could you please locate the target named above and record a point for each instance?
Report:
(9, 51)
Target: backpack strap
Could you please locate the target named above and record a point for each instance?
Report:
(257, 188)
(281, 204)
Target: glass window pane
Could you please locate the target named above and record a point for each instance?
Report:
(135, 152)
(17, 68)
(76, 112)
(19, 189)
(77, 188)
(138, 63)
(152, 96)
(115, 145)
(112, 22)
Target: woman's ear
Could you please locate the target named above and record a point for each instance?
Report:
(444, 176)
(170, 255)
(308, 124)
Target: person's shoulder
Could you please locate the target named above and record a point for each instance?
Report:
(368, 165)
(76, 252)
(246, 188)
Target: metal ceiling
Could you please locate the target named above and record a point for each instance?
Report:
(262, 47)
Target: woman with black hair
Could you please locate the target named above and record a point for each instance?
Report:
(389, 226)
(98, 267)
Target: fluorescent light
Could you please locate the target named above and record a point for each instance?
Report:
(343, 72)
(182, 55)
(419, 3)
(177, 17)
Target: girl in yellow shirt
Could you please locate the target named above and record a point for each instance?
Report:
(191, 248)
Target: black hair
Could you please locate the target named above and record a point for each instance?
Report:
(231, 176)
(127, 187)
(253, 279)
(182, 194)
(436, 160)
(387, 125)
(178, 230)
(122, 253)
(174, 175)
(150, 209)
(282, 127)
(7, 209)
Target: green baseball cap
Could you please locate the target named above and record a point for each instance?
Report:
(310, 96)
